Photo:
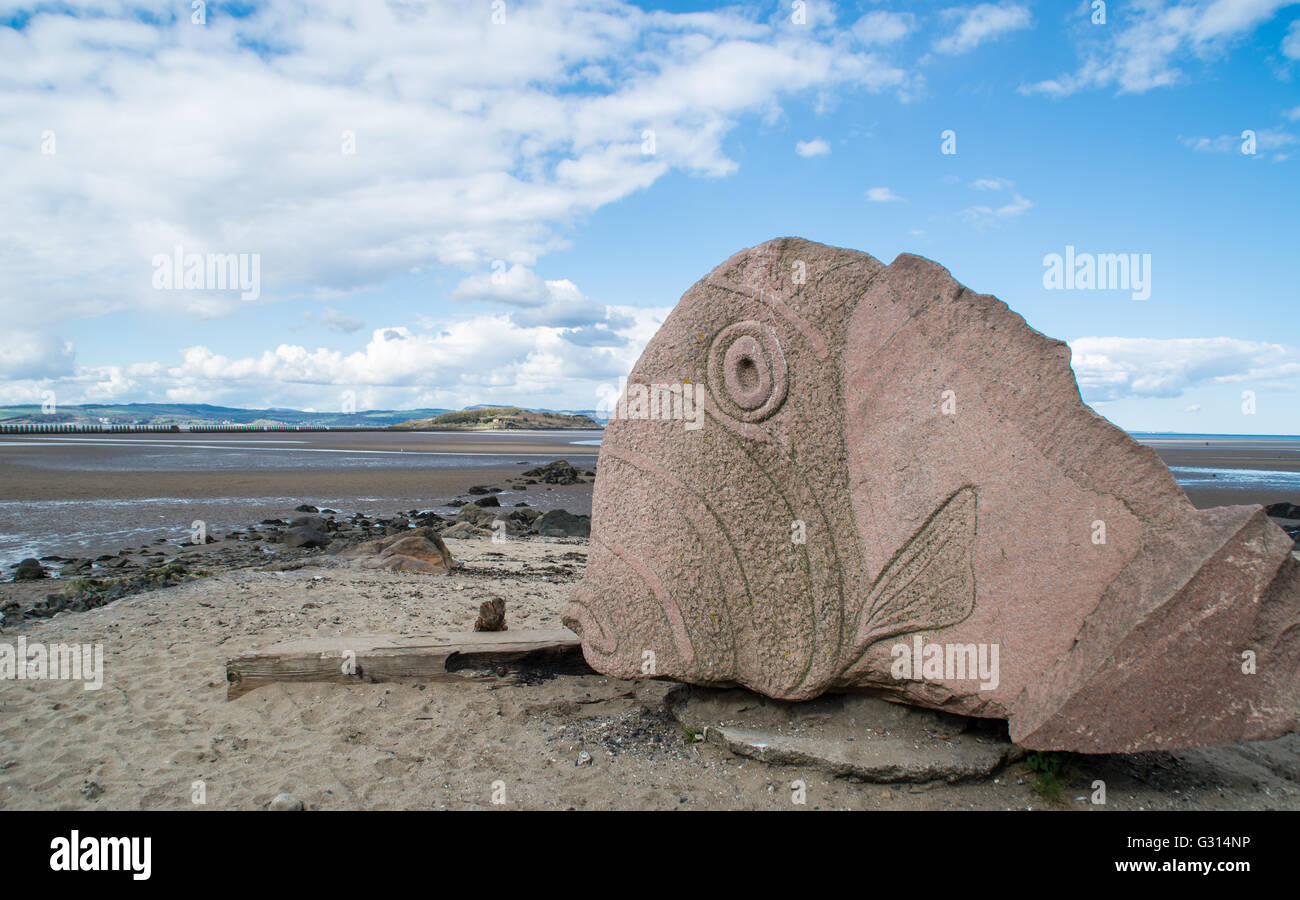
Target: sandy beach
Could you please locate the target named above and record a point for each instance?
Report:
(161, 725)
(161, 722)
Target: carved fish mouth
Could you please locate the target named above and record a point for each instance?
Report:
(579, 617)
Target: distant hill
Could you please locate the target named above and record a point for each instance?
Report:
(493, 418)
(204, 414)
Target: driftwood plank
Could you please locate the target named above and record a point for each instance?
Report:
(431, 657)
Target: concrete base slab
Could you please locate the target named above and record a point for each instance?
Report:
(847, 735)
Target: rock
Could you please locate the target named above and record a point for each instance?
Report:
(847, 735)
(889, 465)
(304, 536)
(286, 802)
(558, 472)
(491, 615)
(306, 507)
(483, 489)
(90, 790)
(318, 523)
(1283, 510)
(29, 569)
(473, 513)
(463, 530)
(584, 759)
(517, 521)
(417, 550)
(561, 523)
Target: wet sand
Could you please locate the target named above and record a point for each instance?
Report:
(85, 495)
(1223, 471)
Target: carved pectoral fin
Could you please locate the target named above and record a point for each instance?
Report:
(928, 584)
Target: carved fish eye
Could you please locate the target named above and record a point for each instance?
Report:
(747, 371)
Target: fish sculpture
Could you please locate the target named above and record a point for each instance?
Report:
(829, 474)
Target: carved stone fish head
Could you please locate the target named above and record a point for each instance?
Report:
(818, 455)
(724, 548)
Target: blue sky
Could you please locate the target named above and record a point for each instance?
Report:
(516, 147)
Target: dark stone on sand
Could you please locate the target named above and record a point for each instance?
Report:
(557, 472)
(1283, 510)
(562, 523)
(488, 501)
(304, 536)
(306, 507)
(29, 569)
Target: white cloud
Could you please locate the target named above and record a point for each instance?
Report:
(28, 354)
(1147, 47)
(882, 195)
(481, 359)
(984, 215)
(1112, 368)
(815, 147)
(980, 24)
(882, 27)
(473, 141)
(536, 302)
(1291, 43)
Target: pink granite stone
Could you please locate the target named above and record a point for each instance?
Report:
(884, 462)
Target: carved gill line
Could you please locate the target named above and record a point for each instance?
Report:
(697, 528)
(838, 564)
(653, 467)
(777, 305)
(671, 610)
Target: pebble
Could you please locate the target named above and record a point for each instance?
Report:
(285, 801)
(584, 759)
